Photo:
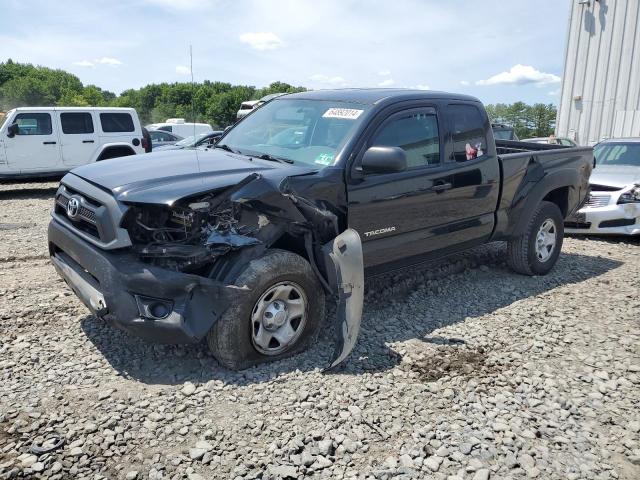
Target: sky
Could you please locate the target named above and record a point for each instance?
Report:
(497, 50)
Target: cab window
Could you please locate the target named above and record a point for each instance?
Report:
(33, 123)
(416, 132)
(467, 131)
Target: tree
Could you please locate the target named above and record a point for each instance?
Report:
(537, 120)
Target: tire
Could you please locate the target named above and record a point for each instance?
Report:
(233, 339)
(522, 255)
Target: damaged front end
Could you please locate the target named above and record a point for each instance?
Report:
(197, 234)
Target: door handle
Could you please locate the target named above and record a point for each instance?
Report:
(87, 141)
(49, 143)
(441, 187)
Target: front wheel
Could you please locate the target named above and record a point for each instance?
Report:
(281, 316)
(536, 251)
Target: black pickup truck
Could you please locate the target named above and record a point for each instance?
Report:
(242, 243)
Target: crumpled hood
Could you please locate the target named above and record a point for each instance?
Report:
(615, 175)
(165, 177)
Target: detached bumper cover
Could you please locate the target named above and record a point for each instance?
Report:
(621, 219)
(108, 283)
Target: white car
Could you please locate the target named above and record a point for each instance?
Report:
(46, 141)
(613, 206)
(245, 108)
(180, 127)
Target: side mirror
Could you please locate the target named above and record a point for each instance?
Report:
(384, 160)
(13, 130)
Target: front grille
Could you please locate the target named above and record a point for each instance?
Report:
(86, 220)
(596, 200)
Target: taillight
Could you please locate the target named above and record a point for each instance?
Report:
(145, 144)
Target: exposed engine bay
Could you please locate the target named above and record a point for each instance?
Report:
(186, 237)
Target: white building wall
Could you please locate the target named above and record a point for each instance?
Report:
(600, 95)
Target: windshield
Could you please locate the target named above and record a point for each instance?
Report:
(307, 131)
(618, 153)
(191, 140)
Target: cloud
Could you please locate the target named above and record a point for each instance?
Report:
(183, 70)
(422, 87)
(326, 80)
(261, 40)
(555, 93)
(384, 73)
(84, 63)
(521, 75)
(112, 62)
(387, 83)
(464, 83)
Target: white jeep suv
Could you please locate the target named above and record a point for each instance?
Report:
(44, 141)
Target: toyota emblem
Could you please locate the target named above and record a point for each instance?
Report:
(73, 207)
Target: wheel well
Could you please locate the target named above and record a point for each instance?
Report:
(115, 152)
(559, 196)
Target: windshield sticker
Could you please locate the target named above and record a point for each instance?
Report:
(345, 113)
(324, 159)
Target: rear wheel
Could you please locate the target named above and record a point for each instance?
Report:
(536, 251)
(280, 317)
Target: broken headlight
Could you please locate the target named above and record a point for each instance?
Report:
(630, 196)
(187, 237)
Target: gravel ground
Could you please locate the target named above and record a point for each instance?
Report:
(463, 370)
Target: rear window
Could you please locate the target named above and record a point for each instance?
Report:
(469, 140)
(76, 123)
(116, 122)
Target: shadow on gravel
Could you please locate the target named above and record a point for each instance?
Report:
(26, 193)
(398, 307)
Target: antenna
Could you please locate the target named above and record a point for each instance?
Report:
(193, 91)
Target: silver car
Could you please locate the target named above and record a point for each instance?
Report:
(160, 138)
(613, 206)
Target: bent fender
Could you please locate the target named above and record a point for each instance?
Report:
(345, 253)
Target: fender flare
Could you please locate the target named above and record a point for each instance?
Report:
(529, 195)
(107, 146)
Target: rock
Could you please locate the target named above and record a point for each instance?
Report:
(76, 451)
(482, 474)
(321, 462)
(27, 460)
(283, 471)
(196, 453)
(433, 463)
(526, 461)
(466, 448)
(131, 475)
(306, 458)
(37, 467)
(104, 394)
(188, 389)
(325, 447)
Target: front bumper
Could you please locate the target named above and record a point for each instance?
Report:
(616, 219)
(118, 287)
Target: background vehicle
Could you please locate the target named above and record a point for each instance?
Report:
(240, 243)
(41, 141)
(246, 107)
(203, 140)
(180, 127)
(613, 206)
(503, 132)
(161, 138)
(567, 142)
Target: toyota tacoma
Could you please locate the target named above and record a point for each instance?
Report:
(241, 244)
